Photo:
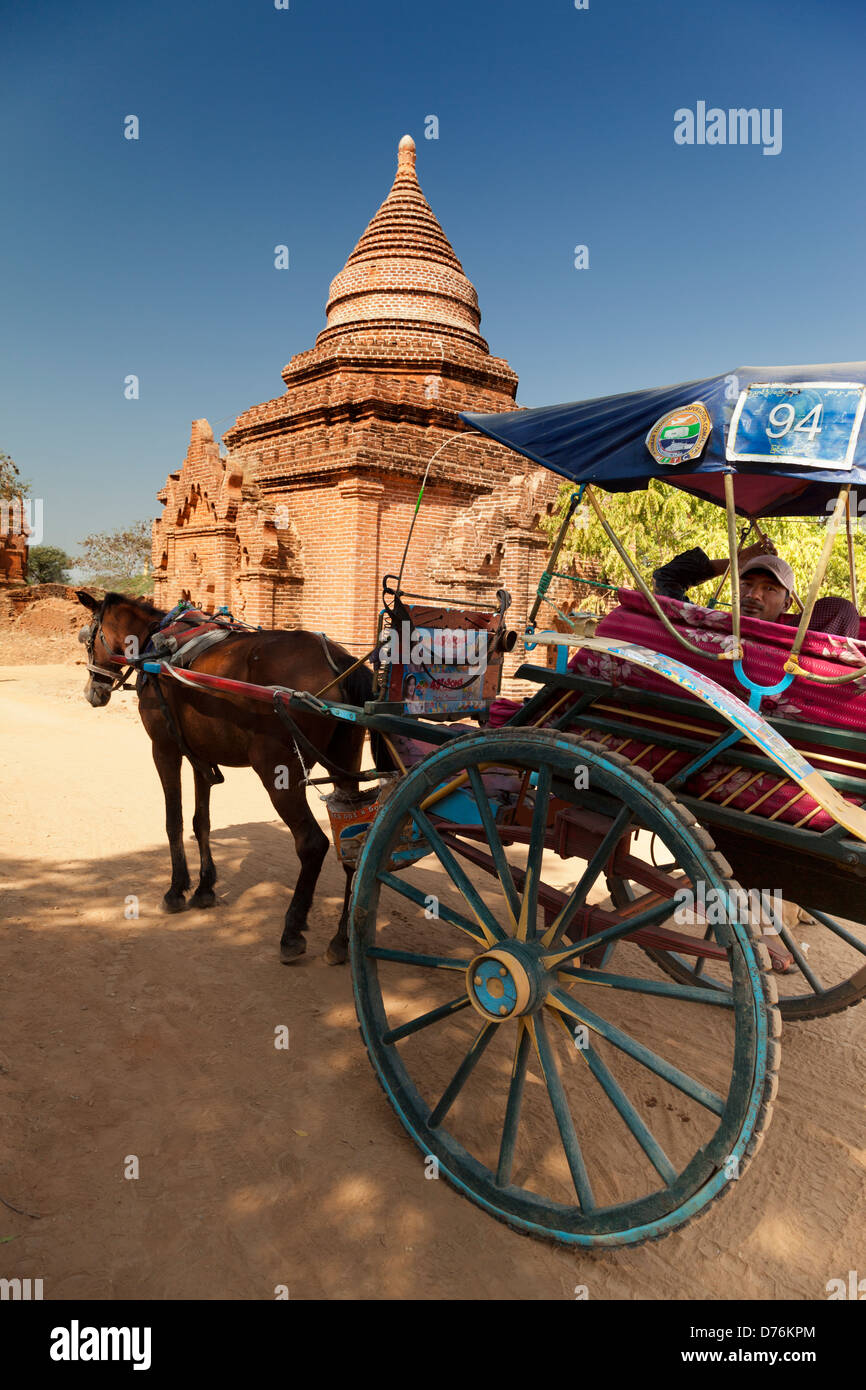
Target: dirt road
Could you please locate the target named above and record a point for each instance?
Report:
(153, 1038)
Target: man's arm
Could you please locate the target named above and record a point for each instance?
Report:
(684, 571)
(694, 567)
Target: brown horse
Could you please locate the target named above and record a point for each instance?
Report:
(213, 729)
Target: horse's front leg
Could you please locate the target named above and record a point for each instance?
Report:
(204, 896)
(346, 748)
(167, 757)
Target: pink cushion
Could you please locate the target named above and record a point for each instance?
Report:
(766, 647)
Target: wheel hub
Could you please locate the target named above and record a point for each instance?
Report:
(504, 983)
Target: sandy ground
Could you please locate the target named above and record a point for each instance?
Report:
(154, 1037)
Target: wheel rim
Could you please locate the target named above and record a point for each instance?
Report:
(513, 962)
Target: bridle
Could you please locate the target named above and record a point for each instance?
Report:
(120, 680)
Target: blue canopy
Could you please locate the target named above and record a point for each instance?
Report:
(604, 440)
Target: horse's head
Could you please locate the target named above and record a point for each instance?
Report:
(119, 627)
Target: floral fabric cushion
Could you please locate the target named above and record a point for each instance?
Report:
(766, 647)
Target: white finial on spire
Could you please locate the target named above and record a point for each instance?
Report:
(406, 153)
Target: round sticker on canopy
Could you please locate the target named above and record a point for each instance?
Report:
(680, 435)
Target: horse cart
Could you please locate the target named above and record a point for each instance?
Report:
(576, 921)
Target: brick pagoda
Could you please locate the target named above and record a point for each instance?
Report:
(312, 503)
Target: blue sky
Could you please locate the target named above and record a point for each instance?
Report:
(261, 127)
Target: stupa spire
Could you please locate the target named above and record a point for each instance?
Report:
(403, 269)
(406, 156)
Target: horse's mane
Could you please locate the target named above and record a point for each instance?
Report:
(147, 609)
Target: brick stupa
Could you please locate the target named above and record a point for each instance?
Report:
(312, 504)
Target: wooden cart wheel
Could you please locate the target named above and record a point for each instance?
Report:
(816, 982)
(572, 1102)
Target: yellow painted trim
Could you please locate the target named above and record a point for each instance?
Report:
(530, 1024)
(792, 802)
(560, 1019)
(662, 761)
(761, 799)
(518, 975)
(523, 921)
(744, 788)
(720, 781)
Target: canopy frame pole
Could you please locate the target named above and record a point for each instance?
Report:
(544, 581)
(714, 597)
(852, 563)
(731, 514)
(833, 525)
(644, 587)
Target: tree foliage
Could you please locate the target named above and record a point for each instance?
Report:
(11, 482)
(47, 564)
(119, 559)
(660, 522)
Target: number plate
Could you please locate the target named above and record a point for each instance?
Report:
(812, 423)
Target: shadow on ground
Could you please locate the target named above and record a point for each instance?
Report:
(151, 1039)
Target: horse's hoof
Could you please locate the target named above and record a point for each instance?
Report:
(337, 952)
(170, 904)
(203, 900)
(293, 948)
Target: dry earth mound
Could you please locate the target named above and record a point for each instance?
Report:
(39, 625)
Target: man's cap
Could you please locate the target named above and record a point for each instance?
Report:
(774, 565)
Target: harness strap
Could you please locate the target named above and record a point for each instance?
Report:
(338, 676)
(212, 775)
(315, 754)
(196, 645)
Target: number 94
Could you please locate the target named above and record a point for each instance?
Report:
(782, 420)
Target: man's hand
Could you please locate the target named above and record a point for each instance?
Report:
(751, 552)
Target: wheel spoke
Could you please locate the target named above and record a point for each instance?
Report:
(687, 1084)
(497, 849)
(410, 958)
(512, 1109)
(554, 932)
(526, 926)
(787, 938)
(424, 1020)
(446, 914)
(839, 930)
(702, 960)
(649, 918)
(644, 1136)
(462, 1074)
(694, 995)
(562, 1114)
(490, 928)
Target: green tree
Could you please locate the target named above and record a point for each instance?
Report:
(47, 564)
(119, 559)
(659, 522)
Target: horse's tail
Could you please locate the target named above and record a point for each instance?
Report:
(357, 687)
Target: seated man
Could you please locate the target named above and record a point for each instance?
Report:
(766, 585)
